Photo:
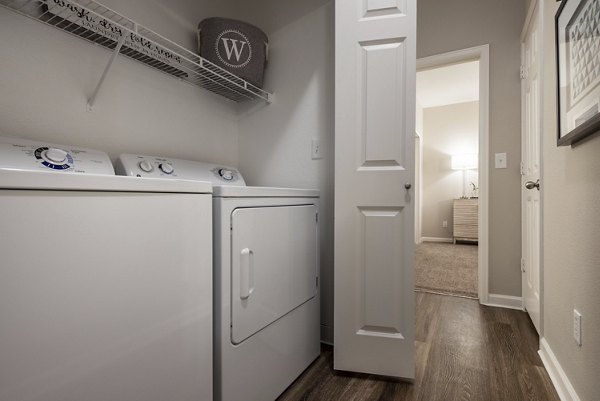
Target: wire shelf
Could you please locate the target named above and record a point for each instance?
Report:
(102, 26)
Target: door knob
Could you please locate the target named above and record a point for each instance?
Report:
(531, 185)
(408, 186)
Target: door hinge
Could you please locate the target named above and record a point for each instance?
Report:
(522, 265)
(316, 217)
(523, 72)
(317, 281)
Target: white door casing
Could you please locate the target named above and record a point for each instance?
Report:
(418, 188)
(531, 163)
(374, 328)
(481, 53)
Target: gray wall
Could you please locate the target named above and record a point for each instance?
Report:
(444, 26)
(571, 194)
(447, 130)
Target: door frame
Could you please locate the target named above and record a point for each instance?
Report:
(418, 187)
(481, 53)
(536, 10)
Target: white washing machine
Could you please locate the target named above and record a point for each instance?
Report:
(266, 278)
(105, 281)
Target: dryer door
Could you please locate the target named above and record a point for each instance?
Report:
(274, 265)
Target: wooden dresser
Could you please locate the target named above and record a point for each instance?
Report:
(466, 219)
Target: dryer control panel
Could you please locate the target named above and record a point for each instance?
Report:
(23, 154)
(163, 167)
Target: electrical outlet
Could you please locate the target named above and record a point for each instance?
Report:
(577, 326)
(445, 224)
(316, 152)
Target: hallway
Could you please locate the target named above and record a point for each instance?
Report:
(464, 352)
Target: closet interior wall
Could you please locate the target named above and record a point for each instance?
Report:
(46, 77)
(275, 140)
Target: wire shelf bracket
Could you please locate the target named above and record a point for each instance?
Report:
(95, 23)
(111, 61)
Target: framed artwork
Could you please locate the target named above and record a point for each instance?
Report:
(578, 67)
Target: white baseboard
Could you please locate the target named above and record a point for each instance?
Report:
(327, 334)
(435, 239)
(504, 301)
(561, 382)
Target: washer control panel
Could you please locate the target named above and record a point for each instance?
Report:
(163, 167)
(23, 154)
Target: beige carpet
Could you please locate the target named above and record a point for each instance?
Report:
(447, 268)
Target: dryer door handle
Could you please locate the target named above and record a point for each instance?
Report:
(246, 273)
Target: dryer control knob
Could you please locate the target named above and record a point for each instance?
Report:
(226, 174)
(146, 166)
(166, 168)
(55, 155)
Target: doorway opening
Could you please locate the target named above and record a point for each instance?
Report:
(452, 174)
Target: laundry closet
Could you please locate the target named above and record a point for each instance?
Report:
(47, 77)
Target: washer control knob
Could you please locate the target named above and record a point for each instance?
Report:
(146, 166)
(57, 156)
(166, 168)
(226, 174)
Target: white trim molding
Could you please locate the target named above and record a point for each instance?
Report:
(504, 301)
(436, 239)
(481, 53)
(559, 378)
(532, 5)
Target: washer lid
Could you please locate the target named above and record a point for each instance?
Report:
(42, 180)
(263, 192)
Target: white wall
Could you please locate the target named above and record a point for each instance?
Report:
(571, 277)
(444, 26)
(447, 130)
(47, 75)
(275, 141)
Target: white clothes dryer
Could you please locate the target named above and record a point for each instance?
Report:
(106, 282)
(266, 278)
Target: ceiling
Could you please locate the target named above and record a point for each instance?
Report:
(456, 83)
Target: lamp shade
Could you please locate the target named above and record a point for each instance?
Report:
(465, 161)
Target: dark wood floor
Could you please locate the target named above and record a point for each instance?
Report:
(464, 352)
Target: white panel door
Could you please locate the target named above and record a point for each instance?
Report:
(374, 187)
(273, 265)
(530, 170)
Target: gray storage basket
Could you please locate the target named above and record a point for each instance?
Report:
(235, 46)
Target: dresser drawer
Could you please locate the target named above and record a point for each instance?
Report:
(466, 219)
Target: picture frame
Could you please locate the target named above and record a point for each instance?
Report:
(577, 24)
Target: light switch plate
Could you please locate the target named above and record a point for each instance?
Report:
(501, 160)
